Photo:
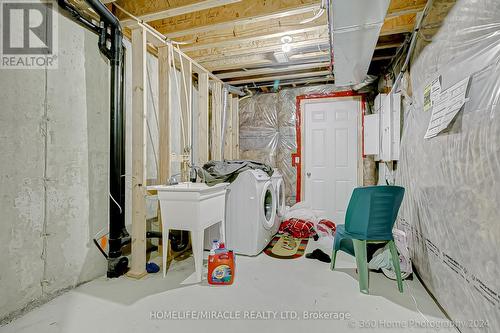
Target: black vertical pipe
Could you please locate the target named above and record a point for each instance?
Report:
(117, 231)
(109, 30)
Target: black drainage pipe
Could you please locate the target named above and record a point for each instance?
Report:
(111, 45)
(111, 32)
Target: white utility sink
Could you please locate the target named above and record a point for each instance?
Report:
(192, 207)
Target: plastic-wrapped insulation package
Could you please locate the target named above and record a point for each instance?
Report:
(267, 131)
(451, 206)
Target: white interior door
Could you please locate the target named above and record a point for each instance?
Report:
(331, 155)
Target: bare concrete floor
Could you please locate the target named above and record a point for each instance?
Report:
(269, 295)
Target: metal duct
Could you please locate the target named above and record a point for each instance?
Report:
(356, 28)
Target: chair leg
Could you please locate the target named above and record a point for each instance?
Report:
(334, 256)
(360, 252)
(395, 261)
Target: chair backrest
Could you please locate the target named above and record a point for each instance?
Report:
(372, 211)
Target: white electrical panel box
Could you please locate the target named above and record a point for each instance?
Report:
(387, 108)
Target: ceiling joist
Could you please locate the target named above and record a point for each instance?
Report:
(181, 10)
(233, 38)
(271, 70)
(231, 35)
(245, 12)
(280, 77)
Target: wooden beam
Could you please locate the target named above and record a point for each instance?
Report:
(228, 133)
(186, 101)
(320, 39)
(261, 60)
(139, 114)
(262, 49)
(245, 12)
(253, 33)
(164, 109)
(203, 131)
(301, 81)
(238, 63)
(280, 77)
(398, 25)
(216, 128)
(271, 70)
(254, 39)
(181, 10)
(236, 127)
(403, 7)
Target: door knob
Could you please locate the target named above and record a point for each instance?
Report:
(308, 174)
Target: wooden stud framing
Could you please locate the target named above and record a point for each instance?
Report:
(216, 128)
(228, 135)
(202, 118)
(139, 109)
(186, 99)
(142, 37)
(164, 109)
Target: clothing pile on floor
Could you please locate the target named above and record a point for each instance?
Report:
(300, 221)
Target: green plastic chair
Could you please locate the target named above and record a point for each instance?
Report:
(370, 217)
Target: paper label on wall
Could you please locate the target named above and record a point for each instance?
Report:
(446, 107)
(436, 89)
(427, 98)
(432, 92)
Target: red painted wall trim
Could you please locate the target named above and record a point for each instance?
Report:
(297, 156)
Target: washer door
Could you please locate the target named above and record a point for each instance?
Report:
(268, 206)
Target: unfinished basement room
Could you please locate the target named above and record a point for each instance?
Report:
(250, 166)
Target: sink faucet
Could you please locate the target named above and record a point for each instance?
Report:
(173, 180)
(196, 169)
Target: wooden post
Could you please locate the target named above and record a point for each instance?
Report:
(186, 100)
(216, 121)
(203, 132)
(228, 135)
(236, 127)
(139, 109)
(164, 106)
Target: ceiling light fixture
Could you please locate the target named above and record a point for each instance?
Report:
(286, 46)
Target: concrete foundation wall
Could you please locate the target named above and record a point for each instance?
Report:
(54, 134)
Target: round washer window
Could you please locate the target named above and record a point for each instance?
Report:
(268, 205)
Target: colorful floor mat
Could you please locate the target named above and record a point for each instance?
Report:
(286, 247)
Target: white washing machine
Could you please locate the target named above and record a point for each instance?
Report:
(250, 214)
(279, 187)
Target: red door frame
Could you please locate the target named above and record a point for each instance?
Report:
(297, 156)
